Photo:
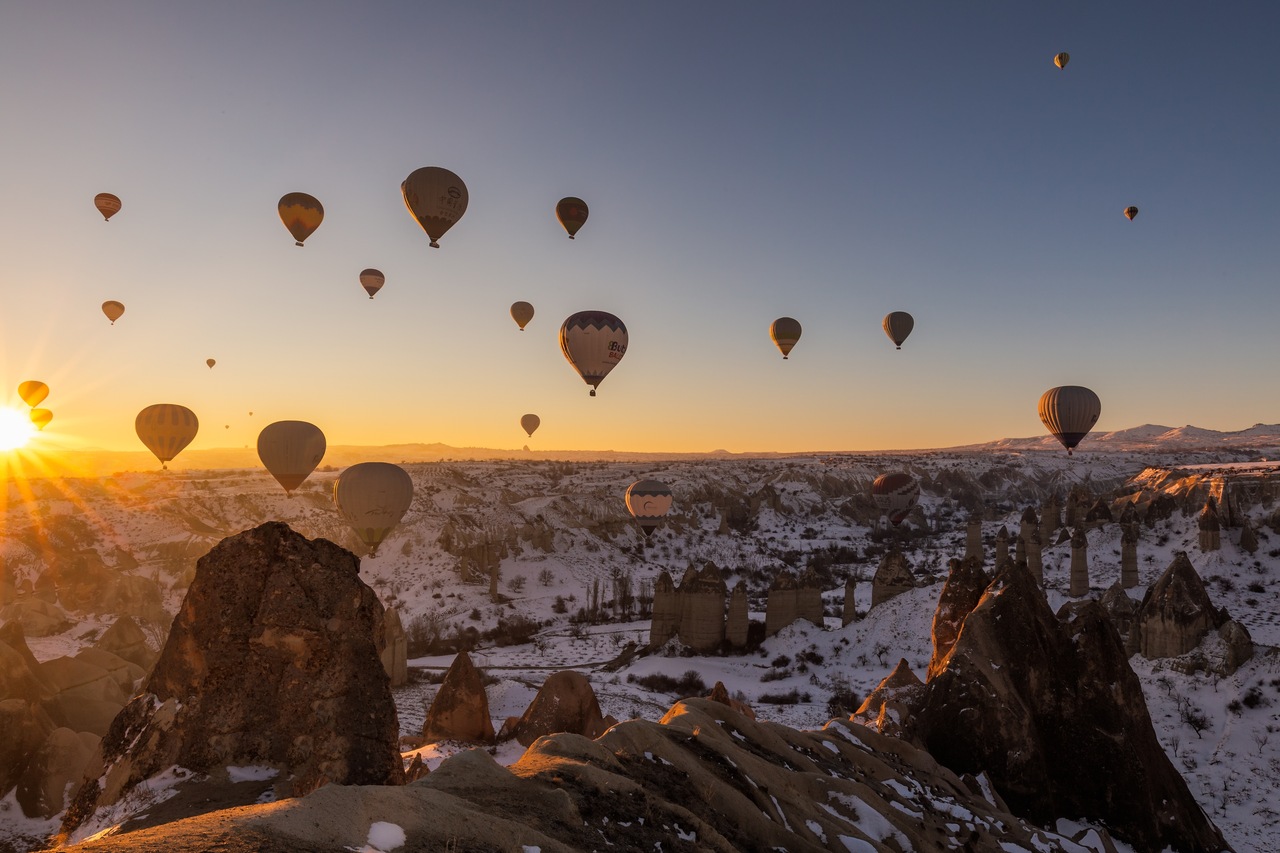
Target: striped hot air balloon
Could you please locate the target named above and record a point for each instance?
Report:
(897, 325)
(648, 501)
(896, 495)
(1069, 412)
(165, 429)
(785, 332)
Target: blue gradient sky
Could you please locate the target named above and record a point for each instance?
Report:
(831, 164)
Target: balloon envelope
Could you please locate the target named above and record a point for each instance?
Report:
(593, 342)
(211, 362)
(522, 313)
(372, 280)
(165, 429)
(1069, 412)
(114, 310)
(572, 213)
(648, 501)
(437, 198)
(290, 451)
(301, 214)
(41, 417)
(373, 497)
(1130, 212)
(1062, 59)
(108, 205)
(33, 392)
(785, 332)
(897, 325)
(896, 495)
(530, 423)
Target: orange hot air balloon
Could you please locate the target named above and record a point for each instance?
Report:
(1130, 212)
(41, 418)
(165, 429)
(33, 392)
(301, 214)
(436, 198)
(572, 213)
(211, 362)
(372, 280)
(896, 495)
(108, 205)
(785, 332)
(114, 310)
(522, 313)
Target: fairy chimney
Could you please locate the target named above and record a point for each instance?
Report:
(1035, 555)
(850, 611)
(738, 623)
(395, 654)
(892, 578)
(1248, 539)
(781, 607)
(1079, 563)
(809, 599)
(1129, 556)
(1176, 612)
(702, 602)
(1210, 527)
(1050, 518)
(666, 611)
(1098, 514)
(1002, 547)
(973, 541)
(1028, 523)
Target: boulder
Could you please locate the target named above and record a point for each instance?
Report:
(273, 659)
(126, 673)
(125, 639)
(565, 703)
(460, 710)
(38, 617)
(1176, 612)
(720, 694)
(55, 772)
(24, 726)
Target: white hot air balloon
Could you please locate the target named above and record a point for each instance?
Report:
(373, 497)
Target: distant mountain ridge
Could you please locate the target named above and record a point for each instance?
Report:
(1151, 437)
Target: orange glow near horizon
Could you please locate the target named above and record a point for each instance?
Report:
(16, 429)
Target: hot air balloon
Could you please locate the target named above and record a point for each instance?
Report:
(1062, 59)
(108, 205)
(897, 325)
(896, 495)
(530, 423)
(572, 213)
(785, 332)
(211, 362)
(372, 280)
(290, 451)
(437, 198)
(522, 313)
(114, 310)
(33, 392)
(301, 214)
(1069, 412)
(165, 429)
(593, 342)
(648, 501)
(1130, 212)
(373, 497)
(41, 418)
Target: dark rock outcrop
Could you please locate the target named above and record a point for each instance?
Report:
(273, 659)
(1055, 717)
(565, 703)
(460, 710)
(1176, 612)
(888, 706)
(960, 594)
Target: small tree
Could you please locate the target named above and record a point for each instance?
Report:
(546, 577)
(516, 584)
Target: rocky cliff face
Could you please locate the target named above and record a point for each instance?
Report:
(1055, 717)
(273, 659)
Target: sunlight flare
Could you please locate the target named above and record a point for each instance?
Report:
(15, 429)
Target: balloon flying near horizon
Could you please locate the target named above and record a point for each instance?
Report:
(301, 214)
(373, 497)
(785, 332)
(648, 501)
(290, 451)
(896, 495)
(530, 423)
(32, 392)
(572, 213)
(1069, 412)
(522, 313)
(372, 280)
(897, 325)
(593, 342)
(166, 428)
(436, 198)
(107, 204)
(114, 310)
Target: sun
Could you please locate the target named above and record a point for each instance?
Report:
(15, 429)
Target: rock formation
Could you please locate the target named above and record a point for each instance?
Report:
(1054, 716)
(1210, 527)
(782, 605)
(666, 611)
(273, 659)
(738, 622)
(1050, 518)
(973, 540)
(460, 710)
(1035, 555)
(960, 594)
(849, 610)
(1027, 523)
(1248, 538)
(1079, 564)
(702, 609)
(1002, 555)
(1176, 612)
(1098, 514)
(1128, 556)
(125, 639)
(1123, 613)
(565, 703)
(809, 599)
(395, 649)
(720, 694)
(893, 577)
(888, 706)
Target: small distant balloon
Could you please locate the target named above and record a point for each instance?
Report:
(436, 198)
(41, 418)
(530, 423)
(114, 310)
(897, 325)
(373, 497)
(301, 214)
(290, 451)
(522, 313)
(785, 332)
(211, 362)
(1062, 59)
(1069, 412)
(165, 429)
(108, 205)
(593, 342)
(572, 213)
(33, 392)
(648, 501)
(372, 280)
(1130, 212)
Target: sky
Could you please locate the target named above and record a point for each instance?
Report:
(827, 162)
